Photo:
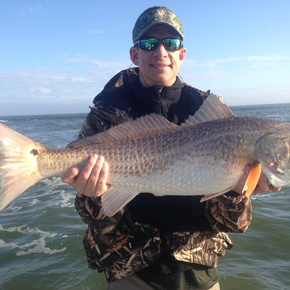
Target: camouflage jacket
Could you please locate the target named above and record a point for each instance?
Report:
(122, 244)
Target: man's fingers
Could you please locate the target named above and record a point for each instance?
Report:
(85, 173)
(94, 177)
(263, 184)
(90, 178)
(88, 167)
(70, 175)
(102, 187)
(275, 189)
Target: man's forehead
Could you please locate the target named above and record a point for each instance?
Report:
(161, 29)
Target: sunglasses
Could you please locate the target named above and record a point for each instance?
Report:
(152, 43)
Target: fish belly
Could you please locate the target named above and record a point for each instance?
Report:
(184, 178)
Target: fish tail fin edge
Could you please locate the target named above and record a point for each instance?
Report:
(18, 164)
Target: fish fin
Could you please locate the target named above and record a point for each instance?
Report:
(133, 128)
(253, 178)
(211, 109)
(115, 199)
(250, 184)
(212, 195)
(18, 164)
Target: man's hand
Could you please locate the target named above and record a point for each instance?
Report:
(263, 184)
(91, 179)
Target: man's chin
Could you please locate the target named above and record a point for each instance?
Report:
(162, 79)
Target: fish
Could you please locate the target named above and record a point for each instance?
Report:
(206, 155)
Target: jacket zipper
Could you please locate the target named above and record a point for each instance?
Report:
(158, 101)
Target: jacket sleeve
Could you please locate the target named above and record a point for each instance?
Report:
(230, 212)
(116, 245)
(91, 212)
(99, 119)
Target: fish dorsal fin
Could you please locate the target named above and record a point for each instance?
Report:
(211, 109)
(134, 128)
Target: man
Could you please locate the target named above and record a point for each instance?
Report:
(164, 242)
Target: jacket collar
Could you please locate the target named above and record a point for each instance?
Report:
(156, 99)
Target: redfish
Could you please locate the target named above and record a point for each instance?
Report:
(206, 155)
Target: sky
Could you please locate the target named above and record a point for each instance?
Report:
(57, 55)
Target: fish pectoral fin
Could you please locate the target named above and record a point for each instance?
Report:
(250, 184)
(212, 195)
(252, 179)
(115, 199)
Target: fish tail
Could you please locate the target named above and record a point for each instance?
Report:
(18, 164)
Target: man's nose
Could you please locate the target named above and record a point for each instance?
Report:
(160, 50)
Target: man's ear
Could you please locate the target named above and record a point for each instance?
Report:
(182, 54)
(134, 55)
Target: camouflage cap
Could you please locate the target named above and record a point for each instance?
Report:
(156, 15)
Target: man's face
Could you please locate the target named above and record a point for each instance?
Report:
(158, 67)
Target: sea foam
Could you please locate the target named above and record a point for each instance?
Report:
(38, 240)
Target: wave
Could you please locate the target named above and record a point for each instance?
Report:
(37, 244)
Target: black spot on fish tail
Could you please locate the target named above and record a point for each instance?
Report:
(34, 152)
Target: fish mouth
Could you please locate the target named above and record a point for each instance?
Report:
(273, 167)
(276, 176)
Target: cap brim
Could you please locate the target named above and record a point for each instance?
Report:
(142, 32)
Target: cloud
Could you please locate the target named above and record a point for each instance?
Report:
(73, 87)
(84, 59)
(35, 9)
(40, 90)
(43, 89)
(97, 31)
(263, 58)
(256, 61)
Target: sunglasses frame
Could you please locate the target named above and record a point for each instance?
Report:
(139, 44)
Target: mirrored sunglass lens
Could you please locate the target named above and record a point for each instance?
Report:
(172, 43)
(149, 44)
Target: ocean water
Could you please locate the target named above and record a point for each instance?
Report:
(41, 233)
